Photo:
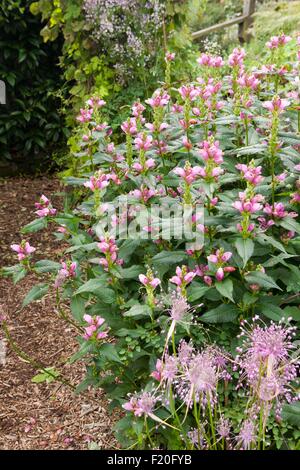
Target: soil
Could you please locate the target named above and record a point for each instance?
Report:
(41, 416)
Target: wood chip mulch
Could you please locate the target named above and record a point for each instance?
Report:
(41, 416)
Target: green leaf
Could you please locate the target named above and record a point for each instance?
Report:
(222, 314)
(169, 257)
(95, 286)
(36, 293)
(138, 311)
(132, 272)
(196, 291)
(245, 248)
(128, 248)
(292, 311)
(264, 239)
(137, 333)
(85, 348)
(290, 224)
(35, 225)
(109, 352)
(78, 307)
(46, 266)
(225, 288)
(262, 279)
(291, 413)
(19, 275)
(271, 311)
(17, 272)
(48, 375)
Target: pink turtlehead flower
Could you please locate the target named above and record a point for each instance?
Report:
(201, 269)
(85, 115)
(98, 181)
(187, 143)
(101, 127)
(144, 194)
(147, 281)
(156, 374)
(250, 227)
(278, 211)
(295, 198)
(264, 224)
(248, 81)
(220, 257)
(277, 41)
(189, 174)
(182, 278)
(250, 173)
(96, 102)
(276, 105)
(159, 99)
(189, 92)
(143, 142)
(211, 151)
(210, 61)
(107, 245)
(237, 57)
(130, 126)
(208, 280)
(170, 56)
(149, 163)
(68, 270)
(177, 108)
(62, 229)
(92, 330)
(24, 250)
(220, 274)
(44, 207)
(138, 109)
(152, 128)
(251, 205)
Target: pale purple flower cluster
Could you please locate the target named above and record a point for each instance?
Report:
(125, 30)
(265, 362)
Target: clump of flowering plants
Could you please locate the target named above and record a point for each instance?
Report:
(178, 234)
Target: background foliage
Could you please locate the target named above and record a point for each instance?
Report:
(31, 128)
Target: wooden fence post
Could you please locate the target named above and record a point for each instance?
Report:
(248, 10)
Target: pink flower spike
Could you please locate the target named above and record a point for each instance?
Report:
(143, 279)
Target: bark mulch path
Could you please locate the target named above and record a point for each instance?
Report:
(41, 416)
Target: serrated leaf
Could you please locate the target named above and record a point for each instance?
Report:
(196, 291)
(262, 279)
(95, 286)
(222, 314)
(36, 293)
(109, 351)
(35, 225)
(138, 311)
(225, 288)
(271, 311)
(290, 224)
(169, 257)
(132, 272)
(245, 248)
(291, 413)
(77, 307)
(46, 266)
(48, 375)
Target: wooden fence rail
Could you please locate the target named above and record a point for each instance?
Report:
(243, 21)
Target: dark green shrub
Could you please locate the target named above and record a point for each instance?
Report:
(31, 127)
